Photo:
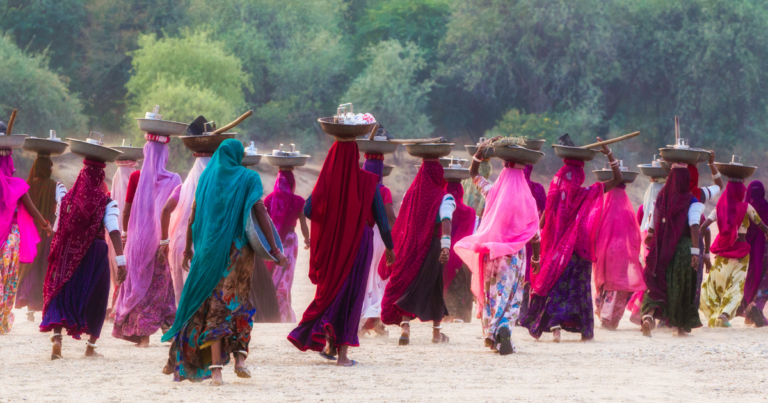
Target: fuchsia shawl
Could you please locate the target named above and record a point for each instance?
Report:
(571, 221)
(617, 267)
(155, 185)
(509, 221)
(731, 209)
(413, 232)
(11, 191)
(462, 225)
(756, 240)
(283, 205)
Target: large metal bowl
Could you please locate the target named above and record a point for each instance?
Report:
(680, 155)
(251, 160)
(472, 150)
(279, 161)
(386, 171)
(376, 146)
(10, 141)
(652, 171)
(735, 171)
(535, 145)
(518, 155)
(162, 127)
(130, 153)
(574, 153)
(93, 152)
(703, 155)
(445, 161)
(45, 146)
(455, 175)
(258, 240)
(342, 131)
(429, 150)
(604, 175)
(205, 143)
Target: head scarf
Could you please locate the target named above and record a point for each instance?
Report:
(472, 197)
(155, 185)
(120, 186)
(177, 228)
(670, 221)
(11, 191)
(81, 217)
(374, 163)
(571, 219)
(510, 220)
(341, 203)
(225, 195)
(694, 184)
(462, 225)
(649, 201)
(412, 234)
(536, 189)
(617, 267)
(283, 205)
(731, 209)
(756, 241)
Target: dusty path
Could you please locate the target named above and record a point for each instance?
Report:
(711, 365)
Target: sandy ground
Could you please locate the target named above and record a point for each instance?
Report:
(711, 365)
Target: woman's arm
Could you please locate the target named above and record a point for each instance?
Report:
(695, 245)
(715, 174)
(165, 217)
(126, 217)
(32, 210)
(445, 252)
(122, 273)
(304, 229)
(617, 178)
(188, 254)
(705, 226)
(536, 258)
(391, 218)
(262, 217)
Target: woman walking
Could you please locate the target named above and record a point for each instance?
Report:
(562, 297)
(46, 195)
(374, 290)
(78, 280)
(422, 235)
(18, 234)
(146, 300)
(118, 193)
(286, 208)
(496, 252)
(723, 288)
(472, 197)
(457, 277)
(670, 270)
(340, 208)
(756, 284)
(213, 321)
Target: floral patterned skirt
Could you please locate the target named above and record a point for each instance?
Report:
(282, 278)
(226, 315)
(610, 305)
(723, 288)
(503, 293)
(568, 304)
(158, 306)
(9, 277)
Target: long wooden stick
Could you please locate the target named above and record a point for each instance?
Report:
(237, 121)
(11, 121)
(373, 131)
(419, 141)
(611, 141)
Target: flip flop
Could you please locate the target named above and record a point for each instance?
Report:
(327, 356)
(403, 341)
(350, 365)
(55, 357)
(505, 341)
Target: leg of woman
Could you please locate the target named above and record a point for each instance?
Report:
(282, 278)
(216, 372)
(723, 290)
(504, 279)
(56, 340)
(9, 275)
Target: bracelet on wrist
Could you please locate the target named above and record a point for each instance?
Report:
(165, 242)
(474, 157)
(695, 251)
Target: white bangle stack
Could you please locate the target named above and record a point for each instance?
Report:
(445, 242)
(120, 260)
(695, 251)
(165, 242)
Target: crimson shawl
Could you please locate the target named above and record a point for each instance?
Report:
(341, 203)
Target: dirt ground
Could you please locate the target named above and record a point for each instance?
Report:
(711, 365)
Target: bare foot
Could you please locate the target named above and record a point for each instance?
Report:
(216, 379)
(556, 336)
(678, 332)
(90, 349)
(56, 352)
(31, 316)
(346, 362)
(647, 327)
(381, 329)
(405, 335)
(167, 369)
(144, 342)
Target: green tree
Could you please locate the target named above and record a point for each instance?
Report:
(389, 89)
(531, 126)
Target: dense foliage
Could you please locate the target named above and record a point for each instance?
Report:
(462, 69)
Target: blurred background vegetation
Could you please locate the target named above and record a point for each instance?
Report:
(461, 69)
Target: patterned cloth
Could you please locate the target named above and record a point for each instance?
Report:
(723, 288)
(609, 306)
(158, 306)
(9, 276)
(225, 315)
(568, 304)
(503, 293)
(679, 309)
(282, 277)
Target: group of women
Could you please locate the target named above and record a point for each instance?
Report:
(521, 255)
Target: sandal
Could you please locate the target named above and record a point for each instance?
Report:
(242, 372)
(722, 321)
(443, 338)
(405, 340)
(757, 316)
(504, 338)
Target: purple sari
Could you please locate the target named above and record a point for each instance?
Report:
(756, 240)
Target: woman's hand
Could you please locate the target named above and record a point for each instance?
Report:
(711, 157)
(444, 254)
(390, 255)
(281, 259)
(536, 265)
(163, 253)
(648, 240)
(480, 154)
(187, 258)
(122, 273)
(605, 150)
(695, 261)
(707, 265)
(307, 242)
(46, 226)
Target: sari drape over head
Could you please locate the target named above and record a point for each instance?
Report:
(283, 205)
(731, 209)
(756, 240)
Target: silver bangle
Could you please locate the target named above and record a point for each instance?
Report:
(120, 260)
(445, 242)
(695, 251)
(707, 255)
(474, 157)
(165, 242)
(716, 176)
